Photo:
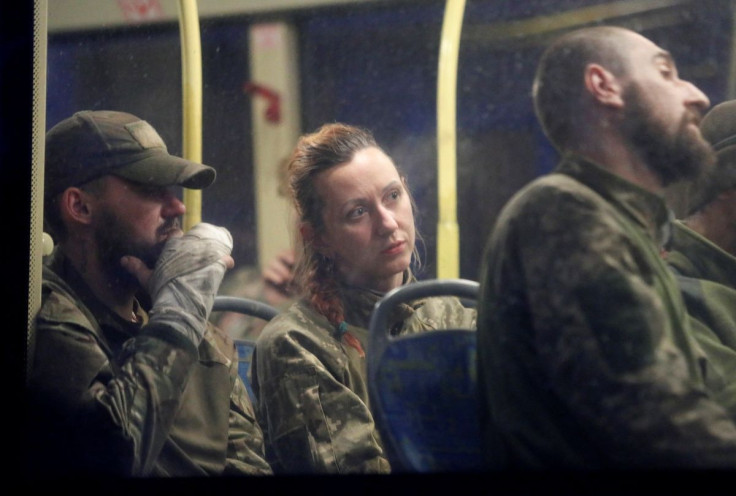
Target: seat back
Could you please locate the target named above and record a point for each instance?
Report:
(245, 347)
(422, 387)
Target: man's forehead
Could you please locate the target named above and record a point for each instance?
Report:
(664, 56)
(641, 48)
(644, 43)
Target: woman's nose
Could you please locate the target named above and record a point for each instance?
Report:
(387, 221)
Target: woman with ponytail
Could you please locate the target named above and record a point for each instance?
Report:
(355, 242)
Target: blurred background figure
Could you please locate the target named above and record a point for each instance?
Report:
(271, 284)
(702, 253)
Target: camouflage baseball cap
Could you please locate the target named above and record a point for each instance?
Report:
(719, 128)
(90, 144)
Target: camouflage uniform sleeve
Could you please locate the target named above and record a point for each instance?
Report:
(604, 334)
(450, 313)
(312, 420)
(712, 310)
(721, 367)
(105, 417)
(438, 313)
(245, 445)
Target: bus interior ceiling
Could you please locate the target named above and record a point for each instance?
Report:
(375, 65)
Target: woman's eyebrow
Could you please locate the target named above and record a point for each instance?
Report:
(391, 185)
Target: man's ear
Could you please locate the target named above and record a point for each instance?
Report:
(603, 86)
(311, 237)
(75, 207)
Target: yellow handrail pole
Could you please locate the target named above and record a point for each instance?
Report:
(191, 70)
(448, 242)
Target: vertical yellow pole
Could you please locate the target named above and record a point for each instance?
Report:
(191, 66)
(448, 243)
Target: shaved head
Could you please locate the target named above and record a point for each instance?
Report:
(559, 80)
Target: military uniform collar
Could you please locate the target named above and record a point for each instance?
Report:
(708, 259)
(643, 207)
(359, 303)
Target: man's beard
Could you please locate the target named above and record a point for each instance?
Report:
(115, 240)
(682, 156)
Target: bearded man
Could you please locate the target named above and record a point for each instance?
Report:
(702, 253)
(119, 387)
(586, 356)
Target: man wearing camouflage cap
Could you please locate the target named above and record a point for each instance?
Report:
(121, 384)
(702, 253)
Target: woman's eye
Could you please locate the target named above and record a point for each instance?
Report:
(394, 194)
(356, 212)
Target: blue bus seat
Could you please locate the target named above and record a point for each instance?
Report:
(245, 347)
(423, 387)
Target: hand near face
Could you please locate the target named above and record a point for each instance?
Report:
(277, 277)
(142, 273)
(186, 279)
(278, 272)
(138, 268)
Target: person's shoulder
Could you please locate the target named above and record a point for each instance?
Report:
(59, 305)
(299, 317)
(551, 199)
(548, 190)
(299, 321)
(439, 304)
(449, 311)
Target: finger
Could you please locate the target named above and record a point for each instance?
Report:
(287, 258)
(278, 269)
(136, 267)
(276, 274)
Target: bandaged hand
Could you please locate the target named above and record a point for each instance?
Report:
(187, 277)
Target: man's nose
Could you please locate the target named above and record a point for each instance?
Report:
(696, 97)
(173, 206)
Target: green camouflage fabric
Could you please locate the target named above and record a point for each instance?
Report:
(311, 384)
(112, 397)
(707, 277)
(586, 357)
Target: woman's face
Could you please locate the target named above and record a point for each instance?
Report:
(368, 220)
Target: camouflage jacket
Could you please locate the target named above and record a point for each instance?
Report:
(586, 357)
(311, 383)
(707, 277)
(112, 397)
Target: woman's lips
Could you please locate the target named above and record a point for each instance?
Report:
(394, 248)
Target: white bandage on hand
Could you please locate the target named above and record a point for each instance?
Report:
(187, 277)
